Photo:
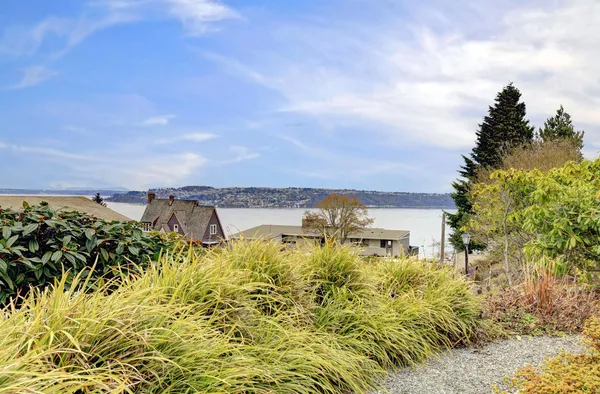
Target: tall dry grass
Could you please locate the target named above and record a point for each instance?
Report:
(546, 301)
(248, 318)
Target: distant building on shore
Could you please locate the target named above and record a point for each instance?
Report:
(372, 241)
(66, 203)
(196, 222)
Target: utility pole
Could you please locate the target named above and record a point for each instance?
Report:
(443, 241)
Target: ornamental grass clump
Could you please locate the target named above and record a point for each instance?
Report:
(245, 318)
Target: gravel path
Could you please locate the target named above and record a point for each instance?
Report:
(474, 371)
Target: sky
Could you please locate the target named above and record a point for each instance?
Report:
(363, 94)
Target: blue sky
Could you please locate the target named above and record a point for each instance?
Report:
(379, 95)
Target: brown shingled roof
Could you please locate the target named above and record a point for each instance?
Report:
(193, 217)
(66, 203)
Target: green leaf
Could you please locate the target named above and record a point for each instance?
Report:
(104, 254)
(6, 232)
(133, 250)
(25, 205)
(9, 282)
(70, 258)
(89, 233)
(66, 240)
(56, 256)
(120, 248)
(3, 266)
(27, 263)
(30, 228)
(19, 278)
(33, 245)
(90, 244)
(12, 240)
(46, 257)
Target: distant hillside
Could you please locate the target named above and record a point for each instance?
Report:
(262, 197)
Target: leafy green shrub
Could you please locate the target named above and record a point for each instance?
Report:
(556, 212)
(39, 244)
(197, 322)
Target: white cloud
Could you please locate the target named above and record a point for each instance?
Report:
(138, 171)
(430, 79)
(241, 153)
(33, 76)
(46, 152)
(162, 120)
(191, 137)
(163, 170)
(197, 137)
(196, 16)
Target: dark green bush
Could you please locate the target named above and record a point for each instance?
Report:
(38, 244)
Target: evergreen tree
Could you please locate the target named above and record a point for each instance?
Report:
(503, 128)
(99, 200)
(560, 126)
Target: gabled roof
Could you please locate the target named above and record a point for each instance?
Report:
(66, 203)
(272, 231)
(192, 216)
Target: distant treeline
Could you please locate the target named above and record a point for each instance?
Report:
(260, 197)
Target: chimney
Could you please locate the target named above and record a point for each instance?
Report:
(171, 199)
(151, 196)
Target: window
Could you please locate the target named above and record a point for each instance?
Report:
(147, 227)
(213, 229)
(176, 228)
(385, 243)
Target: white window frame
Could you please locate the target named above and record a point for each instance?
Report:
(212, 229)
(176, 228)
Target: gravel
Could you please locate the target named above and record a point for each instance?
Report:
(475, 370)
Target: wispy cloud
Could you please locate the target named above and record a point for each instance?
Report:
(241, 153)
(33, 76)
(161, 120)
(335, 165)
(429, 79)
(47, 152)
(196, 17)
(235, 67)
(191, 137)
(134, 171)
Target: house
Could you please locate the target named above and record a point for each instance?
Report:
(186, 217)
(66, 203)
(372, 241)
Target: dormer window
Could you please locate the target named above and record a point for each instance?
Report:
(213, 229)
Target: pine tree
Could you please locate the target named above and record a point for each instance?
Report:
(99, 200)
(503, 128)
(560, 126)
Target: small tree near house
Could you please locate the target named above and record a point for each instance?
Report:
(99, 200)
(338, 217)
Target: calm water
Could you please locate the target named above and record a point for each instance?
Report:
(424, 224)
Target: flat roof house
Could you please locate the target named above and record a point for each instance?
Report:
(373, 241)
(66, 203)
(187, 217)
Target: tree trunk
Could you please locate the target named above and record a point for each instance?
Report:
(504, 225)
